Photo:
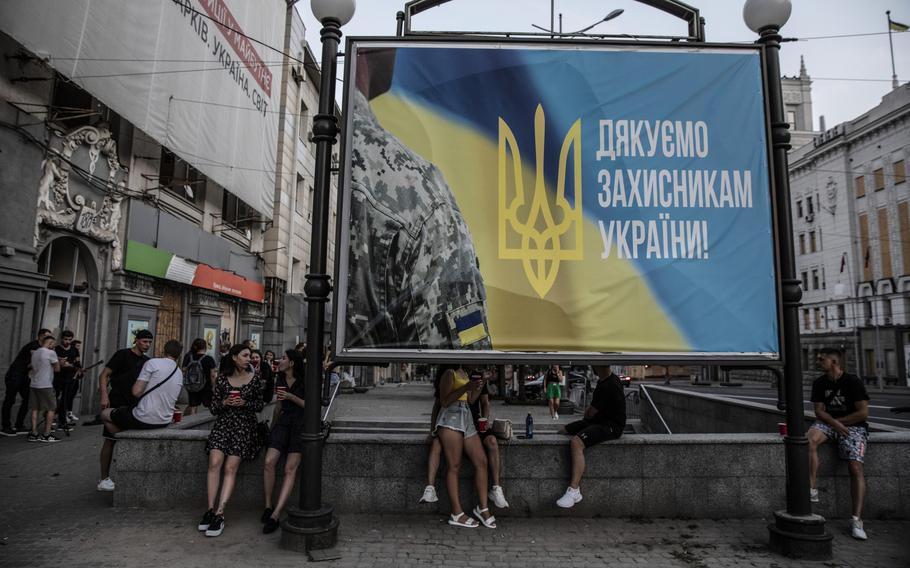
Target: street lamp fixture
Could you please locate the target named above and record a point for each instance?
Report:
(313, 525)
(614, 14)
(796, 531)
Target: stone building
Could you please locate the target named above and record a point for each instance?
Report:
(852, 235)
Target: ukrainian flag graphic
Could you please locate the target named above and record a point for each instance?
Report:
(574, 252)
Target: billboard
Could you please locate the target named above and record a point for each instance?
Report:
(508, 201)
(189, 73)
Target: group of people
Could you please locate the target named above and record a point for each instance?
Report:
(45, 375)
(139, 393)
(462, 402)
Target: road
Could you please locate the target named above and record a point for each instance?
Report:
(880, 403)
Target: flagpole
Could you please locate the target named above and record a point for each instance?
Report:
(891, 43)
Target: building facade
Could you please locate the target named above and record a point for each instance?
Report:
(105, 230)
(852, 235)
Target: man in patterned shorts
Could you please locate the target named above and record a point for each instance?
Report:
(841, 408)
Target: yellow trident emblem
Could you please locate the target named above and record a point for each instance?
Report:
(543, 240)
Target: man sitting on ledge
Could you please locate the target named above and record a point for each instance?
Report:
(604, 420)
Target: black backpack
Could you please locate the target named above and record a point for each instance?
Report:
(194, 378)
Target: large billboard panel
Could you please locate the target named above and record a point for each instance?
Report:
(192, 74)
(506, 199)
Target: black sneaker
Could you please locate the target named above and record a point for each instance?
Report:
(33, 437)
(270, 526)
(266, 515)
(207, 519)
(8, 432)
(50, 438)
(217, 526)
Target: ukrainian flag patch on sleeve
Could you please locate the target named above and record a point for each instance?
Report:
(468, 324)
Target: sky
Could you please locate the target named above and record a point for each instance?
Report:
(850, 74)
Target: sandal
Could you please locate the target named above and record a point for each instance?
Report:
(489, 522)
(467, 523)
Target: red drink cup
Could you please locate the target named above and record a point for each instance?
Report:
(178, 415)
(482, 424)
(234, 394)
(282, 390)
(782, 428)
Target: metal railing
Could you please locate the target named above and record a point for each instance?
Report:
(644, 389)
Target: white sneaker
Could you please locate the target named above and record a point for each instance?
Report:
(106, 484)
(429, 495)
(72, 417)
(857, 529)
(498, 498)
(555, 416)
(571, 497)
(813, 495)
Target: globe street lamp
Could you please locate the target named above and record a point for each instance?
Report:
(313, 524)
(796, 531)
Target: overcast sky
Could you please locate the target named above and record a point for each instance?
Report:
(850, 74)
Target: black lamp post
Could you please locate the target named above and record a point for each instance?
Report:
(796, 531)
(313, 524)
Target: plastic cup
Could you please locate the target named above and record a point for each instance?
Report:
(782, 428)
(234, 393)
(482, 424)
(178, 415)
(281, 390)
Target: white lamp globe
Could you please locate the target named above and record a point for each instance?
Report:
(760, 14)
(341, 10)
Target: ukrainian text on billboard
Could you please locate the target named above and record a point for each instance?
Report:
(531, 198)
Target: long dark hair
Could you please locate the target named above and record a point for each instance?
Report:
(296, 358)
(199, 344)
(227, 366)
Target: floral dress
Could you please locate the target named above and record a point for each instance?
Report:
(235, 429)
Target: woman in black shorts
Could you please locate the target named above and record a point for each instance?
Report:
(285, 437)
(236, 399)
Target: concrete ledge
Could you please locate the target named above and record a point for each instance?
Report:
(640, 475)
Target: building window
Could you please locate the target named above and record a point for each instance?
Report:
(806, 322)
(815, 279)
(812, 243)
(806, 281)
(234, 211)
(886, 311)
(885, 241)
(860, 186)
(867, 312)
(303, 130)
(791, 119)
(900, 175)
(809, 209)
(180, 178)
(799, 209)
(841, 316)
(300, 195)
(823, 277)
(802, 243)
(818, 318)
(879, 179)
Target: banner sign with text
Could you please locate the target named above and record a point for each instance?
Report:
(506, 199)
(192, 74)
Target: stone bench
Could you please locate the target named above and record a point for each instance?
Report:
(640, 475)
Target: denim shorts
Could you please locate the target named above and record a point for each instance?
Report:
(457, 416)
(851, 447)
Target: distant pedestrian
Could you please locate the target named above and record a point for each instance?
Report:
(198, 362)
(284, 439)
(236, 399)
(120, 375)
(457, 433)
(269, 357)
(156, 390)
(302, 348)
(841, 409)
(265, 374)
(553, 384)
(605, 419)
(66, 381)
(17, 383)
(44, 364)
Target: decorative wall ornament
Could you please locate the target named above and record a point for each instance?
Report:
(831, 195)
(59, 207)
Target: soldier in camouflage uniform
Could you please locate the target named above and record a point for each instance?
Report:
(414, 278)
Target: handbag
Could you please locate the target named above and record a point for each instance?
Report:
(502, 429)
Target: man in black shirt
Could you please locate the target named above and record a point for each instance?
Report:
(604, 420)
(17, 383)
(65, 382)
(120, 373)
(841, 407)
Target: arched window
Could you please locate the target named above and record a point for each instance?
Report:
(66, 302)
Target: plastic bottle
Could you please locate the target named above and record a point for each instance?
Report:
(529, 427)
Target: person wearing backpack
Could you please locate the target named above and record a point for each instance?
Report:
(199, 372)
